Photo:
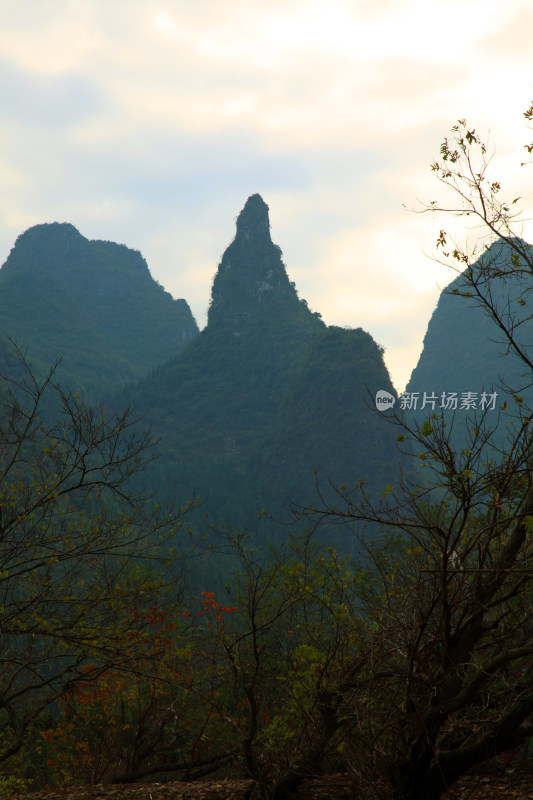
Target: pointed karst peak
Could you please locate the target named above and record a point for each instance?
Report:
(251, 278)
(253, 219)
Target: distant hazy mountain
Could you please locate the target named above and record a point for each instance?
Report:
(465, 352)
(267, 393)
(92, 303)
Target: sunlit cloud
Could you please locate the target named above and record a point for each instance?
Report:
(151, 122)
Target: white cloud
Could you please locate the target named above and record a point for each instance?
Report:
(151, 122)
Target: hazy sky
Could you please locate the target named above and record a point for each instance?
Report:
(150, 123)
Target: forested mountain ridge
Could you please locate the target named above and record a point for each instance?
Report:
(93, 304)
(465, 352)
(246, 410)
(266, 394)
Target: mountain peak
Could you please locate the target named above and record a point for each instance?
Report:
(253, 219)
(46, 231)
(251, 277)
(42, 246)
(94, 303)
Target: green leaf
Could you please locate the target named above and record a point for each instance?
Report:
(426, 428)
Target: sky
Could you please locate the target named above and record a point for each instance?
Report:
(150, 124)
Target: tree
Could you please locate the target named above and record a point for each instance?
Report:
(446, 648)
(78, 544)
(500, 257)
(280, 656)
(441, 676)
(123, 727)
(235, 684)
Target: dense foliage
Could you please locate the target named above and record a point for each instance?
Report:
(78, 547)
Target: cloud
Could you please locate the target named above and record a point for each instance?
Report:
(50, 37)
(48, 101)
(150, 123)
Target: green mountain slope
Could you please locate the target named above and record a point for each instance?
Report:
(266, 393)
(93, 304)
(464, 350)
